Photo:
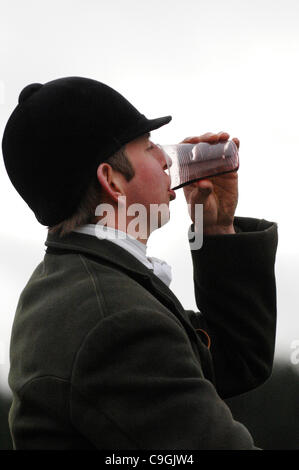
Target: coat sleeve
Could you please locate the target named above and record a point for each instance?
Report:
(136, 384)
(235, 290)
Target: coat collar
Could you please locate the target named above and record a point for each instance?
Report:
(112, 254)
(99, 248)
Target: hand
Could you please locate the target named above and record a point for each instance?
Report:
(218, 194)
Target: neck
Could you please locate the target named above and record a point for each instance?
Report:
(125, 225)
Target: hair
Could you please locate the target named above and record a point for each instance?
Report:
(85, 211)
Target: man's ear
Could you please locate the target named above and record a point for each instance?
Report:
(111, 181)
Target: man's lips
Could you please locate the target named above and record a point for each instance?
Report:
(172, 193)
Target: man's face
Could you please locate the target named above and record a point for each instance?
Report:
(151, 183)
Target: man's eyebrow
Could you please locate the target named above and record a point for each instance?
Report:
(147, 135)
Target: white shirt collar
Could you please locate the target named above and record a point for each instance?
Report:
(132, 245)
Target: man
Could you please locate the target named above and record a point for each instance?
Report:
(103, 355)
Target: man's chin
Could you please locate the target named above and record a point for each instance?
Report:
(162, 219)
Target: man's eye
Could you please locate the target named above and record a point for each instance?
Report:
(152, 145)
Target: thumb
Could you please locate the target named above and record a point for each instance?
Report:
(205, 186)
(201, 192)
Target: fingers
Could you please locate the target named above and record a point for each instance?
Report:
(222, 136)
(203, 189)
(211, 138)
(207, 137)
(237, 142)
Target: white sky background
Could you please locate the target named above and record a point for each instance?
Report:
(213, 65)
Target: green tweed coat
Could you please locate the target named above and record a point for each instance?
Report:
(104, 356)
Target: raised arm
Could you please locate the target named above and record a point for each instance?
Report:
(234, 281)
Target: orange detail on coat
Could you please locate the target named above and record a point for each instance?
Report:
(209, 339)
